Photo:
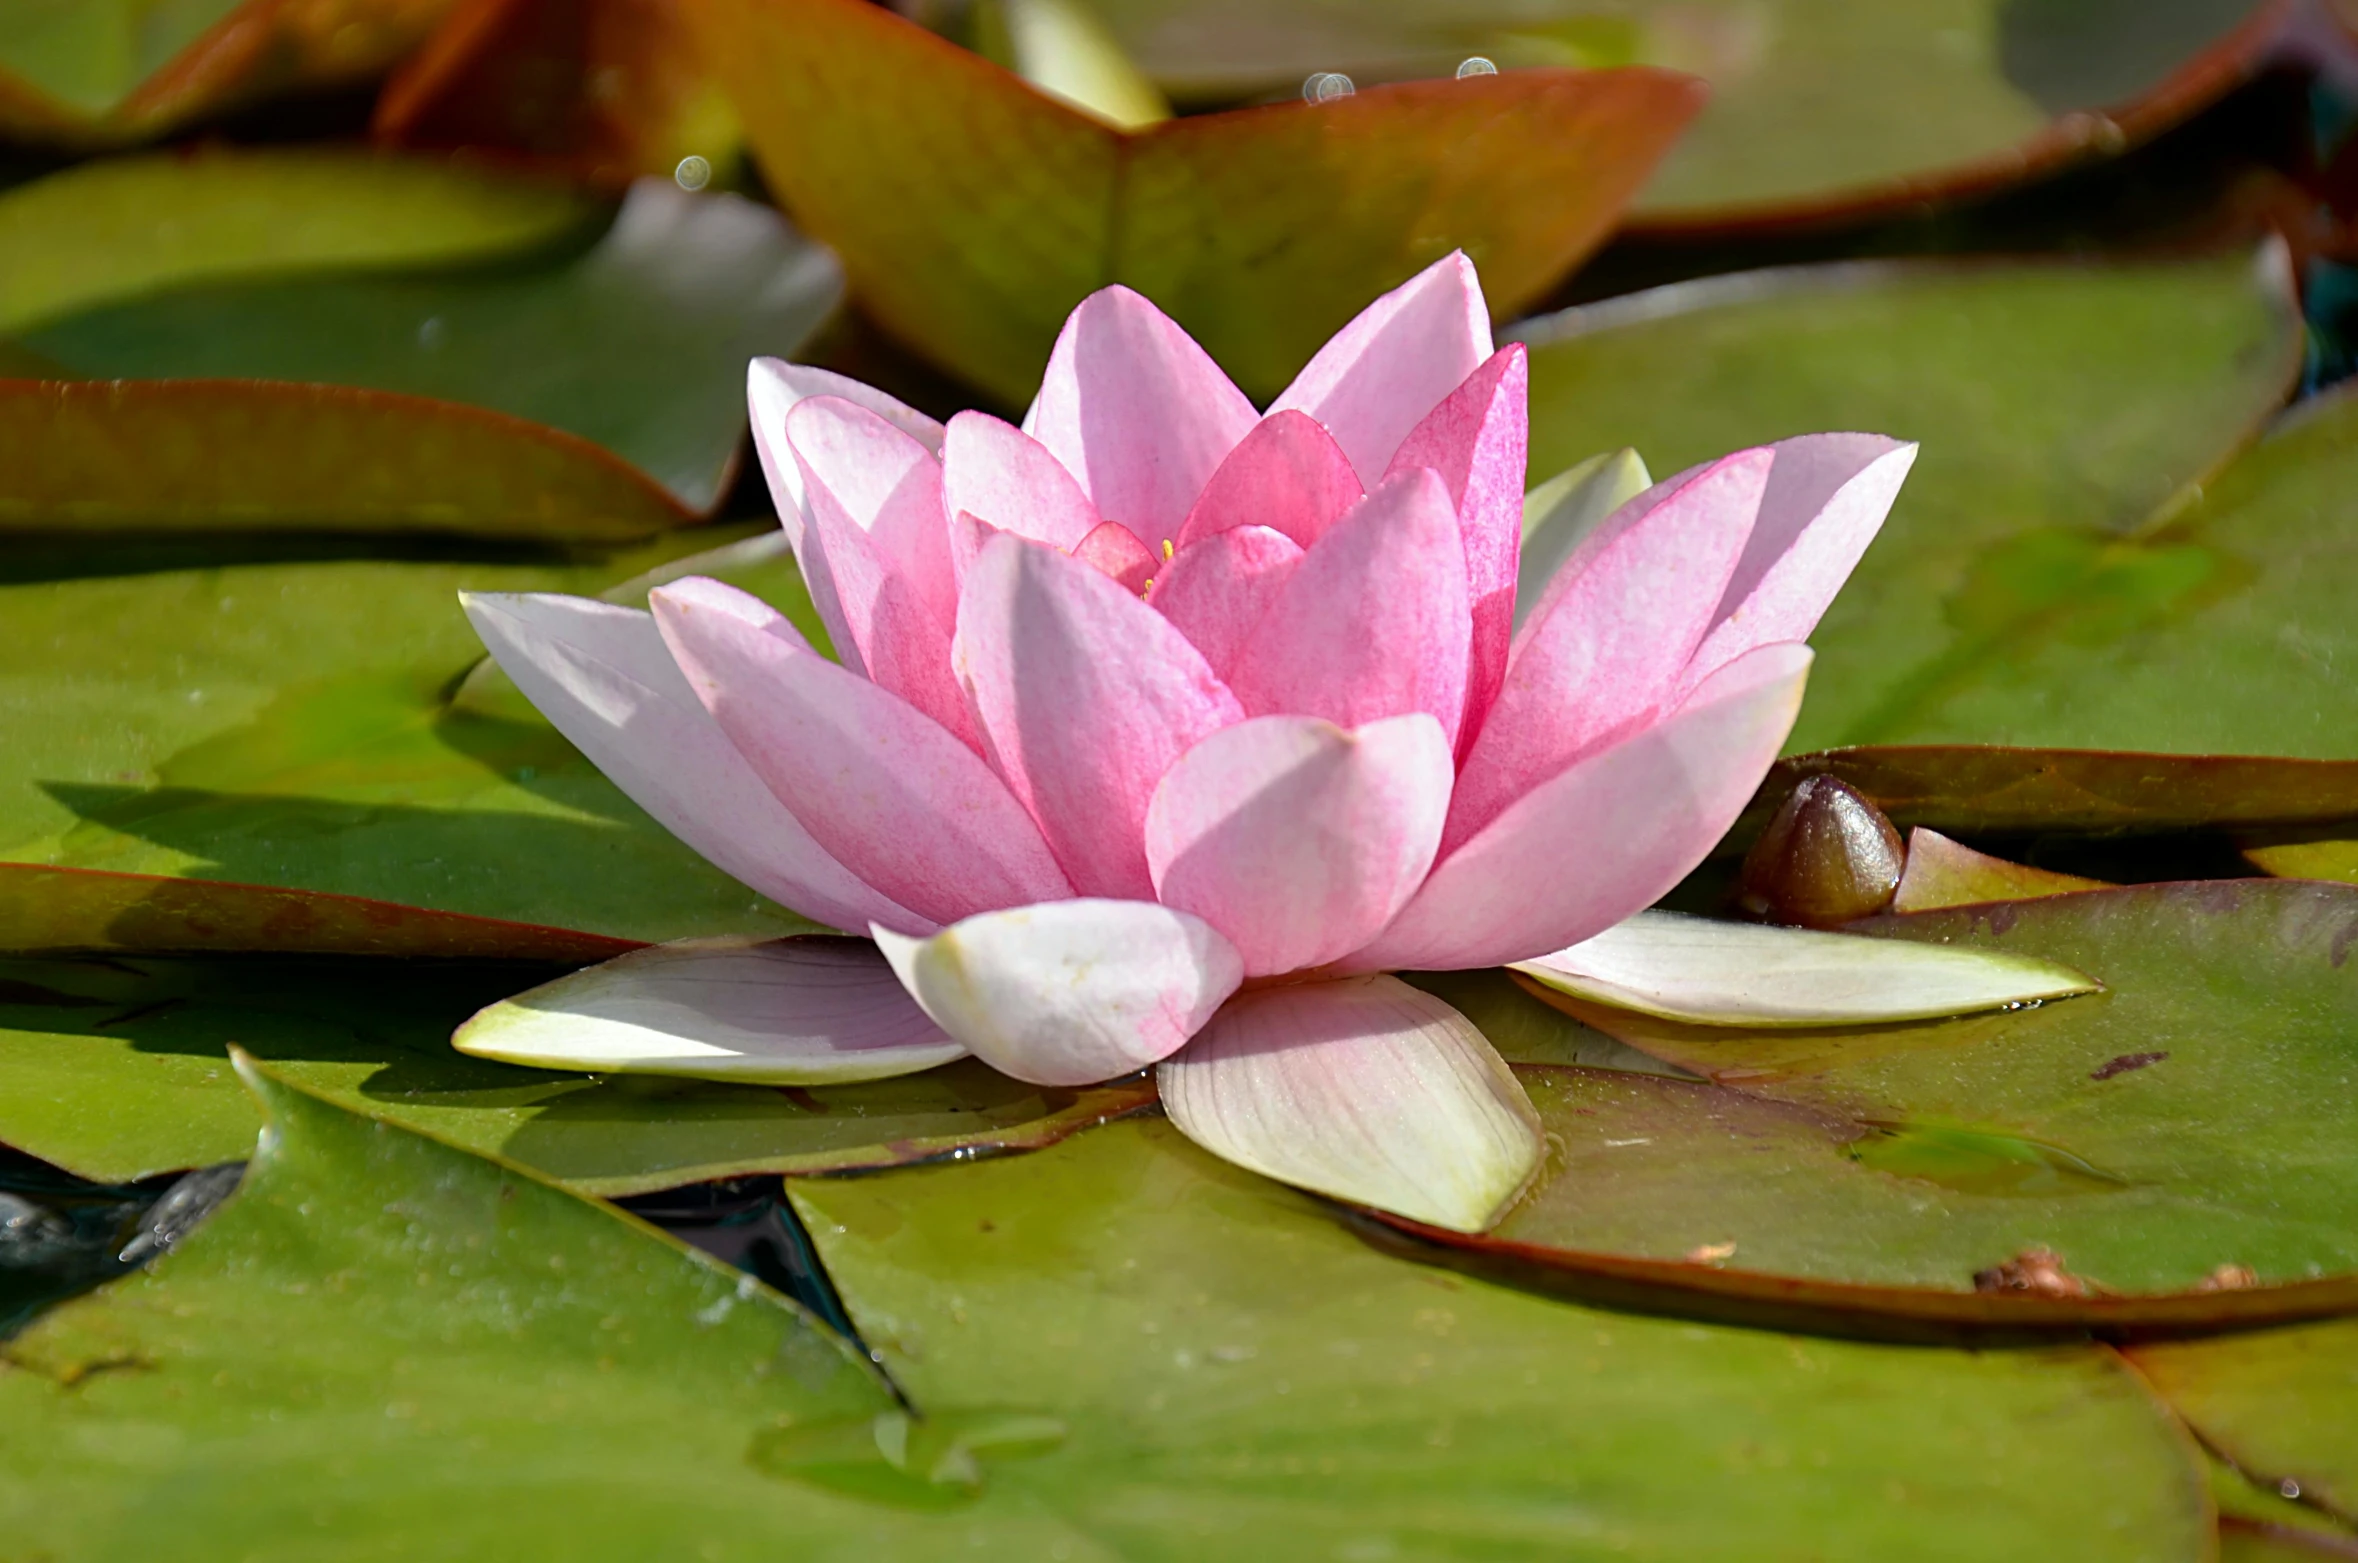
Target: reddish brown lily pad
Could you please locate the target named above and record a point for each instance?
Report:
(46, 910)
(973, 211)
(270, 455)
(2163, 1154)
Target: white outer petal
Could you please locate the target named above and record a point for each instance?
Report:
(1363, 1088)
(1069, 992)
(811, 1011)
(1713, 973)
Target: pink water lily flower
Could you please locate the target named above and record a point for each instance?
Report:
(1161, 732)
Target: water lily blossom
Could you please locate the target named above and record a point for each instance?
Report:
(1161, 733)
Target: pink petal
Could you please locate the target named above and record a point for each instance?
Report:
(1136, 411)
(808, 1011)
(1288, 474)
(1085, 696)
(1610, 642)
(1607, 837)
(1373, 621)
(1297, 839)
(1214, 592)
(1827, 497)
(602, 675)
(1115, 552)
(1070, 992)
(1478, 440)
(773, 386)
(1377, 377)
(1366, 1089)
(1005, 479)
(880, 785)
(878, 561)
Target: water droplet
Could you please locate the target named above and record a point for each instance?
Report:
(2289, 1488)
(431, 331)
(694, 173)
(1326, 86)
(1475, 65)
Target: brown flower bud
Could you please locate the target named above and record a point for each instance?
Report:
(1828, 856)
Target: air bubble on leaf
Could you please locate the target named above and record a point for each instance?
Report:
(694, 173)
(1475, 65)
(1326, 86)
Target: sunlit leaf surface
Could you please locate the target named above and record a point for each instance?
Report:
(2058, 405)
(386, 1341)
(972, 212)
(2166, 1142)
(1239, 1374)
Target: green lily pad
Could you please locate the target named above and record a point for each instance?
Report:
(104, 72)
(1976, 790)
(2281, 1404)
(973, 212)
(2058, 405)
(1239, 1376)
(118, 1069)
(134, 225)
(2168, 1146)
(637, 344)
(293, 725)
(416, 1352)
(1819, 108)
(2231, 651)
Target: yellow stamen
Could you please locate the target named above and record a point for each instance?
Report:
(1166, 550)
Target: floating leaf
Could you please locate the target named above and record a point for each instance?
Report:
(117, 1071)
(1817, 111)
(101, 72)
(135, 225)
(213, 455)
(1239, 1376)
(603, 89)
(973, 212)
(638, 344)
(2281, 1404)
(79, 910)
(1971, 790)
(2148, 1155)
(1712, 973)
(384, 1340)
(1942, 873)
(292, 725)
(2058, 405)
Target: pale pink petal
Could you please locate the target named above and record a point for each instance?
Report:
(1373, 621)
(773, 386)
(884, 482)
(1377, 377)
(1827, 497)
(601, 674)
(883, 787)
(1006, 481)
(1296, 838)
(1136, 411)
(1215, 591)
(1085, 695)
(878, 563)
(1288, 474)
(811, 1011)
(1365, 1089)
(1607, 837)
(1478, 441)
(1115, 552)
(1070, 992)
(1609, 645)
